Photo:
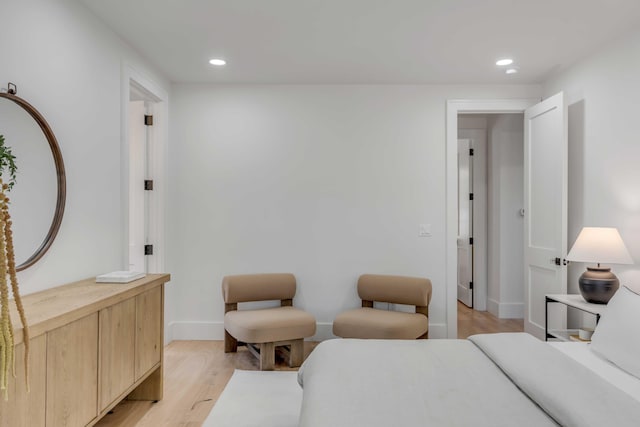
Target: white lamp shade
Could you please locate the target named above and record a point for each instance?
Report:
(602, 245)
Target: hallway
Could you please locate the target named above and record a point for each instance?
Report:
(472, 322)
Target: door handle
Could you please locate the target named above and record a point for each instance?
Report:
(559, 261)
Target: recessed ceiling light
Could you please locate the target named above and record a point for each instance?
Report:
(217, 61)
(511, 70)
(504, 61)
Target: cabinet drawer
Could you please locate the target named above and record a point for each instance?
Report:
(117, 347)
(26, 409)
(148, 331)
(72, 373)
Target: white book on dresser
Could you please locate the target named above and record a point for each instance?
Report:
(119, 277)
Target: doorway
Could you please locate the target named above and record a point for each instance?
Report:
(472, 110)
(144, 144)
(466, 205)
(472, 208)
(545, 195)
(140, 178)
(490, 255)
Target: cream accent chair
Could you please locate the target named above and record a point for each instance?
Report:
(263, 330)
(369, 322)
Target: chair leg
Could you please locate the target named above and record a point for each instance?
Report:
(230, 343)
(296, 354)
(267, 356)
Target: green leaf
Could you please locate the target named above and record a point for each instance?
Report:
(7, 163)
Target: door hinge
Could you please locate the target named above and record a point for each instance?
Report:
(470, 196)
(148, 184)
(471, 240)
(148, 120)
(148, 249)
(471, 151)
(471, 285)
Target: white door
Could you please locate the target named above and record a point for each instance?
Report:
(545, 198)
(465, 223)
(137, 204)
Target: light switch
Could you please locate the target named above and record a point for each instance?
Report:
(425, 230)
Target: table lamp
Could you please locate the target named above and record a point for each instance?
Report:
(599, 245)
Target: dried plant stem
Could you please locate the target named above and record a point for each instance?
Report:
(11, 264)
(6, 328)
(8, 268)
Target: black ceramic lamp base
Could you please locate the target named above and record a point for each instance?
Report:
(598, 284)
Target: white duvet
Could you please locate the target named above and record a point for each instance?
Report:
(476, 382)
(581, 353)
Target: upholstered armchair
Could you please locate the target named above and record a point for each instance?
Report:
(262, 330)
(370, 322)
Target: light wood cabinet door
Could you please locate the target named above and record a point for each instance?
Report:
(26, 409)
(148, 330)
(72, 373)
(117, 348)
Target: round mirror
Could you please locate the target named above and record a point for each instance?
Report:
(38, 196)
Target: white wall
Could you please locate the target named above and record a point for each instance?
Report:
(604, 177)
(68, 65)
(506, 186)
(326, 182)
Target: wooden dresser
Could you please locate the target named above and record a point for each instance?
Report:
(92, 344)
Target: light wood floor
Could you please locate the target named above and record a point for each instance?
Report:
(196, 372)
(482, 322)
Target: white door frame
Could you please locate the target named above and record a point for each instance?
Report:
(455, 107)
(157, 164)
(139, 137)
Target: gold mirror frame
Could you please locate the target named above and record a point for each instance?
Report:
(61, 178)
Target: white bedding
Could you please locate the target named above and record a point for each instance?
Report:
(581, 353)
(397, 383)
(491, 380)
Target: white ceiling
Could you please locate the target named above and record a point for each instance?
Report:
(365, 41)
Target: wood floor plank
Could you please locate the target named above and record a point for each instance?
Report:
(195, 373)
(472, 322)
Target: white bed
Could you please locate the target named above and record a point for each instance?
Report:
(581, 353)
(488, 380)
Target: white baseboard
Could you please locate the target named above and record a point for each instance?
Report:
(196, 330)
(511, 310)
(207, 331)
(506, 310)
(324, 331)
(493, 307)
(438, 330)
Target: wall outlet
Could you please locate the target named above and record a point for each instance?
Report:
(424, 230)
